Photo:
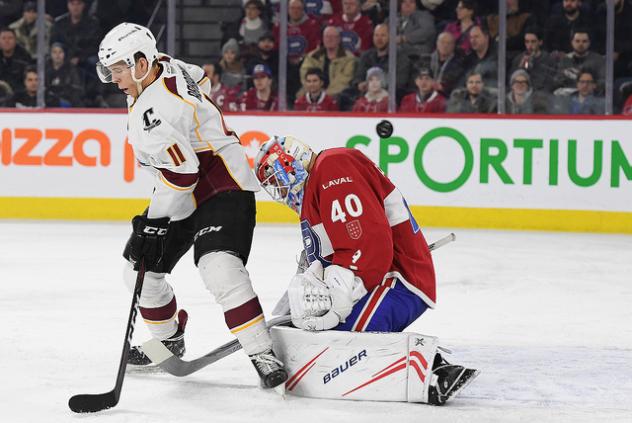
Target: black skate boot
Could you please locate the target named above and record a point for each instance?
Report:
(270, 369)
(175, 344)
(448, 380)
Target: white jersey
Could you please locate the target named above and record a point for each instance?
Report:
(177, 132)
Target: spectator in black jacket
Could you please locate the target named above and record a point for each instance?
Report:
(266, 54)
(622, 36)
(445, 64)
(9, 11)
(13, 59)
(27, 97)
(62, 78)
(6, 95)
(559, 28)
(484, 56)
(539, 64)
(80, 33)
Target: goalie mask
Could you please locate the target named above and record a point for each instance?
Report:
(121, 44)
(281, 167)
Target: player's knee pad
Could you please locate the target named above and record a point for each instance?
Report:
(226, 278)
(156, 290)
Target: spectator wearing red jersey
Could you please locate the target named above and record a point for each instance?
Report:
(303, 32)
(356, 29)
(376, 98)
(426, 99)
(226, 98)
(260, 97)
(627, 107)
(303, 36)
(315, 98)
(322, 10)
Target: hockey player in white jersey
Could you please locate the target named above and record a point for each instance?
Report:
(203, 196)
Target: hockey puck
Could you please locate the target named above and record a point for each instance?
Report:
(384, 129)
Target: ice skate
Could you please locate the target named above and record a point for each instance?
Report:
(270, 369)
(448, 380)
(175, 344)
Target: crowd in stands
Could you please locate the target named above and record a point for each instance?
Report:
(338, 58)
(72, 38)
(447, 56)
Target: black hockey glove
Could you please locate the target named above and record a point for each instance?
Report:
(148, 241)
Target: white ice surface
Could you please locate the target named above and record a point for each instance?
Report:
(547, 317)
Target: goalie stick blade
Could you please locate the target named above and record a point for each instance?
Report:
(174, 365)
(91, 403)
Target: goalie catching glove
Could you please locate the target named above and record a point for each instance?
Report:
(320, 300)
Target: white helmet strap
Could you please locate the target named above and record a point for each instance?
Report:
(139, 81)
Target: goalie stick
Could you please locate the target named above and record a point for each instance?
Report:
(90, 403)
(167, 361)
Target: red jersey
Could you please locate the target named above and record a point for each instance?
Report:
(251, 101)
(363, 104)
(323, 103)
(226, 98)
(301, 38)
(627, 107)
(412, 103)
(356, 35)
(354, 217)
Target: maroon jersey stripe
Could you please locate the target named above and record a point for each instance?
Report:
(179, 179)
(243, 313)
(171, 85)
(178, 153)
(173, 156)
(165, 312)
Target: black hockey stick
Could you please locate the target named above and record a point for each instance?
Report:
(90, 403)
(167, 361)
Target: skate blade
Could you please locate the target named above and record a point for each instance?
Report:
(280, 389)
(464, 384)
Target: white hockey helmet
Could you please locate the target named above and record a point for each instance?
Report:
(121, 44)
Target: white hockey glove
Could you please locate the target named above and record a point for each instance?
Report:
(345, 289)
(308, 295)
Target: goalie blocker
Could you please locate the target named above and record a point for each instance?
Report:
(367, 366)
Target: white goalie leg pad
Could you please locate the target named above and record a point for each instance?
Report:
(356, 365)
(228, 280)
(156, 293)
